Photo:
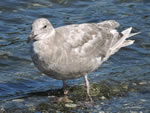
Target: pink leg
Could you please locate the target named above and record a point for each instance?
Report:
(88, 87)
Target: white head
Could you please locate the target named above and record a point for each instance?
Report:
(41, 29)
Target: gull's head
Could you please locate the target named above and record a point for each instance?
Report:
(41, 29)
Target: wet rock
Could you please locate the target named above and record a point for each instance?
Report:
(64, 100)
(18, 100)
(71, 105)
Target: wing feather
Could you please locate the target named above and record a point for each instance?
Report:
(88, 39)
(91, 39)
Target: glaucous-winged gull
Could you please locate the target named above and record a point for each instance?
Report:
(76, 50)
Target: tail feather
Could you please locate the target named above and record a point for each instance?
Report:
(127, 43)
(127, 31)
(122, 42)
(132, 34)
(126, 34)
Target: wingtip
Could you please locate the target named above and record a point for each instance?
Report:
(132, 34)
(128, 42)
(127, 31)
(130, 28)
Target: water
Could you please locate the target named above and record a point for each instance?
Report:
(130, 66)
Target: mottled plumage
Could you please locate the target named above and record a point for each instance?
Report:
(76, 50)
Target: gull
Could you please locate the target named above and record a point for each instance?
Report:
(76, 50)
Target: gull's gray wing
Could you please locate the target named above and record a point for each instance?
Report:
(90, 39)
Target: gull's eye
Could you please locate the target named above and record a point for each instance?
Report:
(45, 27)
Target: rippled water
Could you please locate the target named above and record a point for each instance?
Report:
(131, 65)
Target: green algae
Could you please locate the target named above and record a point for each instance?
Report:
(78, 97)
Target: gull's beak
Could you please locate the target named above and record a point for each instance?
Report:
(31, 37)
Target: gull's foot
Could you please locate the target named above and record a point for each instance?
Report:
(66, 92)
(90, 99)
(64, 99)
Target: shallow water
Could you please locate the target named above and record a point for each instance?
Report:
(130, 66)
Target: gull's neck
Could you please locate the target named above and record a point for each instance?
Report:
(47, 42)
(52, 33)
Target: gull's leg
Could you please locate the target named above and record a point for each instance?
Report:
(65, 98)
(88, 87)
(64, 84)
(65, 88)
